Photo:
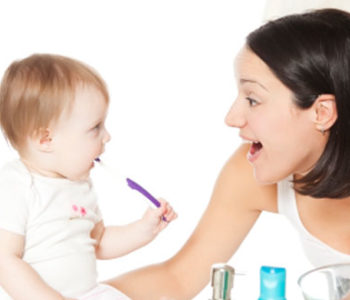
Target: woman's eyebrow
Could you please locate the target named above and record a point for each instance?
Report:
(242, 81)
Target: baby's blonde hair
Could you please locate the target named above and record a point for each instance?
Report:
(34, 92)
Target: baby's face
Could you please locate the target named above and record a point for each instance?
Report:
(80, 135)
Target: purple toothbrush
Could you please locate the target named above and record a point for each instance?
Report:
(135, 186)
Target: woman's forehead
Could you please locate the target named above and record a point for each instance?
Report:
(250, 68)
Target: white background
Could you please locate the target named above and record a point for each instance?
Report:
(169, 69)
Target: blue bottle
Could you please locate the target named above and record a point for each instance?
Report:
(272, 283)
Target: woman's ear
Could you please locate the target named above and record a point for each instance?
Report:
(326, 114)
(42, 140)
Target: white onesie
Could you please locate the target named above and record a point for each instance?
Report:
(318, 253)
(56, 217)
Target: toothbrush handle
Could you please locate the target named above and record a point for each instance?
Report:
(140, 189)
(132, 184)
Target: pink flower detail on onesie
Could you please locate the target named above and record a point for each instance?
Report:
(83, 211)
(79, 210)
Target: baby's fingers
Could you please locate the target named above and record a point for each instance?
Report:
(171, 215)
(168, 212)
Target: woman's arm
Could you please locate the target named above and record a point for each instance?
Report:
(18, 279)
(235, 205)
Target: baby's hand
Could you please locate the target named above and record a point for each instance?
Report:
(155, 220)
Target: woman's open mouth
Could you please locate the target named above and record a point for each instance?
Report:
(254, 151)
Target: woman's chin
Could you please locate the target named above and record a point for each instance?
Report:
(265, 178)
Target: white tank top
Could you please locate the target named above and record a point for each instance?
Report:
(318, 253)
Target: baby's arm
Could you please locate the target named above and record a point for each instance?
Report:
(17, 277)
(115, 241)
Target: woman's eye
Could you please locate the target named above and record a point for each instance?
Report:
(251, 101)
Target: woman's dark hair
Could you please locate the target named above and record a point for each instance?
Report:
(310, 54)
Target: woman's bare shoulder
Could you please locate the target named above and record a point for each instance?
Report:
(237, 179)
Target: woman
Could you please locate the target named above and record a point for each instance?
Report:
(293, 110)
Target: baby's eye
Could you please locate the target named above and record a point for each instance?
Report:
(251, 101)
(97, 127)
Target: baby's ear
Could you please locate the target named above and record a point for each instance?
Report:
(42, 140)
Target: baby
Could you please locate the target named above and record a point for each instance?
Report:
(53, 111)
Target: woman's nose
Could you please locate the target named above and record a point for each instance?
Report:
(235, 116)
